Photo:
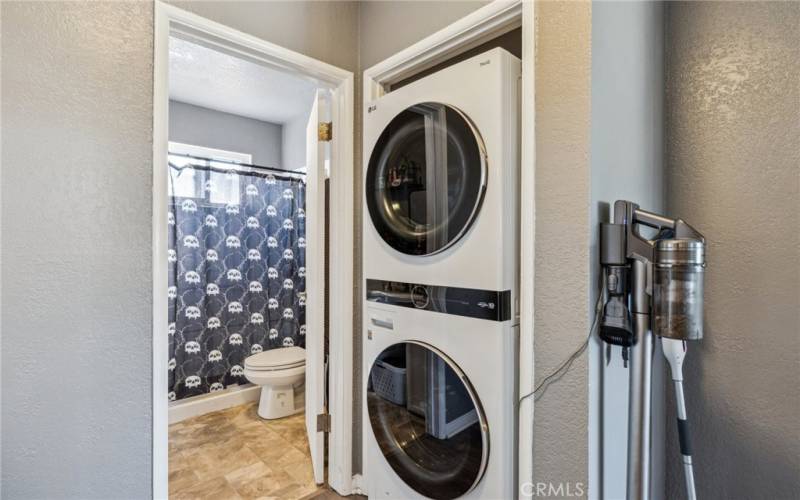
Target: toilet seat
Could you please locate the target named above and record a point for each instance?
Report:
(284, 358)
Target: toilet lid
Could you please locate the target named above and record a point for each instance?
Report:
(281, 358)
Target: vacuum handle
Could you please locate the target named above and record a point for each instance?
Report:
(685, 442)
(675, 352)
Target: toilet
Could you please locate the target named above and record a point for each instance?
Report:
(278, 372)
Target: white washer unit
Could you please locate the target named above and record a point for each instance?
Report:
(439, 406)
(441, 266)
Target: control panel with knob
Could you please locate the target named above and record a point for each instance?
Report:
(490, 305)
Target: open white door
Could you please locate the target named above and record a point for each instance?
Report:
(315, 287)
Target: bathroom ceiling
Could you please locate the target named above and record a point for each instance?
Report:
(212, 79)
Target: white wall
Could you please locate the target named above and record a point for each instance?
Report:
(77, 82)
(627, 163)
(200, 126)
(733, 166)
(294, 141)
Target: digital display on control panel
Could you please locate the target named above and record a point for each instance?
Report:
(482, 304)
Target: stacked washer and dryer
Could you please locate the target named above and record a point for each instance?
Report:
(441, 269)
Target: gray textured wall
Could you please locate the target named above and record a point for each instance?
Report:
(379, 22)
(627, 163)
(200, 126)
(77, 104)
(563, 189)
(77, 82)
(733, 163)
(327, 31)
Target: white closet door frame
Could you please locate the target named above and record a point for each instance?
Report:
(170, 20)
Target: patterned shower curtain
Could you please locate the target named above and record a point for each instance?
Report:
(236, 273)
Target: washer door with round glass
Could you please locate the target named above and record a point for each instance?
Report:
(427, 420)
(426, 179)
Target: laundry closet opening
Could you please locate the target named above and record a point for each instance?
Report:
(247, 211)
(441, 273)
(434, 172)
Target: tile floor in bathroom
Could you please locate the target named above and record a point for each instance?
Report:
(235, 454)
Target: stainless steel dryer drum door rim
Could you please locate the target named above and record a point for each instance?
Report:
(393, 443)
(444, 132)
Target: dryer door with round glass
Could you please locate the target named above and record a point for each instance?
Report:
(427, 420)
(426, 179)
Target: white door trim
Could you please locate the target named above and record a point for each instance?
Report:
(486, 23)
(172, 20)
(527, 243)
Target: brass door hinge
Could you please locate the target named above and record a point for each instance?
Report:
(325, 131)
(324, 422)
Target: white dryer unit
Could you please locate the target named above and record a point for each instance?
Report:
(441, 266)
(441, 170)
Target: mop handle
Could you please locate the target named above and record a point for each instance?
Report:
(675, 351)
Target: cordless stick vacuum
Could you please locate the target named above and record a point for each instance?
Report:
(653, 286)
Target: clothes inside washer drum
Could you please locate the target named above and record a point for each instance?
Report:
(436, 468)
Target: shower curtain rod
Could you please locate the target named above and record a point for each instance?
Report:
(233, 163)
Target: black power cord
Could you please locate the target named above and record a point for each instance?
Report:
(565, 366)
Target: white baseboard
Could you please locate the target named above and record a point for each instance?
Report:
(200, 405)
(357, 484)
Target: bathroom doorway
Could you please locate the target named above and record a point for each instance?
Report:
(243, 157)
